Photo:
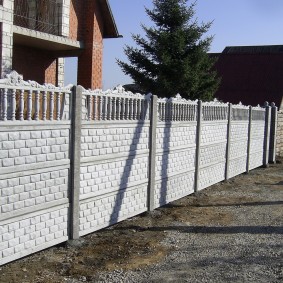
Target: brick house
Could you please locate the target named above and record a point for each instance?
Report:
(36, 36)
(251, 74)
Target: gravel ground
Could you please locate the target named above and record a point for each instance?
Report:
(247, 248)
(230, 232)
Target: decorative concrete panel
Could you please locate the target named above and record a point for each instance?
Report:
(112, 140)
(174, 162)
(173, 187)
(100, 212)
(102, 178)
(25, 235)
(173, 135)
(211, 175)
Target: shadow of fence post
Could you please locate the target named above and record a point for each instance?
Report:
(166, 150)
(114, 218)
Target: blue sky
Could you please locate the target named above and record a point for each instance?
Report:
(235, 22)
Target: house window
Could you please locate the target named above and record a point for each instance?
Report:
(39, 15)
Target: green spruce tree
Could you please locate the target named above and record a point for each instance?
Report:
(173, 57)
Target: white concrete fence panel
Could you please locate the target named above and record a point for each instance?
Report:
(73, 161)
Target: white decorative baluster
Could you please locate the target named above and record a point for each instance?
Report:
(89, 104)
(175, 110)
(162, 118)
(51, 106)
(142, 109)
(21, 105)
(182, 112)
(36, 106)
(5, 105)
(95, 108)
(114, 99)
(58, 106)
(131, 108)
(109, 116)
(118, 110)
(187, 112)
(29, 108)
(44, 105)
(13, 108)
(105, 108)
(127, 110)
(100, 107)
(135, 107)
(122, 116)
(167, 111)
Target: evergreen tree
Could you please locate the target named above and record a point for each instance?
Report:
(173, 57)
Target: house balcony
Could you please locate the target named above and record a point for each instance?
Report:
(38, 15)
(37, 24)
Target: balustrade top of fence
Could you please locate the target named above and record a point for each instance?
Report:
(28, 100)
(214, 110)
(176, 109)
(115, 104)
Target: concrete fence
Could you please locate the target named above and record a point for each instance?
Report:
(279, 142)
(73, 161)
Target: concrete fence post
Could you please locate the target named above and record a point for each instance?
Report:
(152, 153)
(228, 142)
(249, 139)
(273, 133)
(75, 156)
(198, 141)
(266, 134)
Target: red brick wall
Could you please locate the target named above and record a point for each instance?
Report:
(86, 24)
(76, 19)
(90, 61)
(34, 64)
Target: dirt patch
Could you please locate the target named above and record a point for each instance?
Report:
(137, 243)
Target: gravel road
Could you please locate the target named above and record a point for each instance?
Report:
(246, 247)
(230, 232)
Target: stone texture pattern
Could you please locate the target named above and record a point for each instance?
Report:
(6, 33)
(114, 173)
(101, 141)
(173, 187)
(172, 163)
(171, 136)
(33, 233)
(238, 148)
(97, 213)
(213, 132)
(175, 161)
(103, 178)
(212, 153)
(257, 144)
(33, 146)
(33, 188)
(211, 175)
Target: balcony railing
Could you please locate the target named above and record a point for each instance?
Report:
(39, 15)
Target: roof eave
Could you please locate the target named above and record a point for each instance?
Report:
(110, 27)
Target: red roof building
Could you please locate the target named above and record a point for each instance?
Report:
(251, 74)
